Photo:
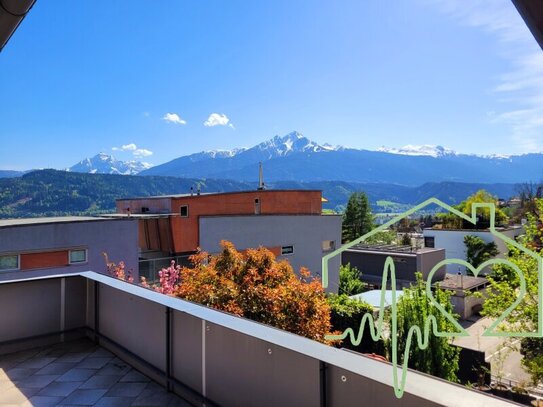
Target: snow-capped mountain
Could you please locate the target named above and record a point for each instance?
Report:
(107, 164)
(294, 157)
(425, 150)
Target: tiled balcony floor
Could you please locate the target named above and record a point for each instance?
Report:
(76, 373)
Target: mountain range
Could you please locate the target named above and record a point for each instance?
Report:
(55, 193)
(103, 163)
(294, 157)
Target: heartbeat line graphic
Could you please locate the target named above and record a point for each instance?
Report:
(423, 334)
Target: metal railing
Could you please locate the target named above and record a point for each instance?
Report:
(149, 268)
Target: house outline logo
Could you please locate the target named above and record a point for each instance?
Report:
(424, 332)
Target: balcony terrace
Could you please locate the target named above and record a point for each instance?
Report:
(204, 356)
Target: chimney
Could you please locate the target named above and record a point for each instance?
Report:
(198, 190)
(191, 191)
(260, 177)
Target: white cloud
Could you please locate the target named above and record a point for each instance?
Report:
(522, 87)
(142, 152)
(173, 118)
(216, 119)
(126, 147)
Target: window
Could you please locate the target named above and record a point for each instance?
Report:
(257, 206)
(429, 241)
(184, 211)
(78, 256)
(286, 250)
(9, 262)
(328, 245)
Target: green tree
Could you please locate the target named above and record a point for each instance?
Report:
(350, 280)
(357, 219)
(478, 251)
(348, 313)
(451, 221)
(504, 290)
(440, 358)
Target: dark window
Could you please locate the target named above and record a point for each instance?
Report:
(184, 211)
(257, 206)
(429, 241)
(9, 262)
(78, 256)
(144, 209)
(287, 250)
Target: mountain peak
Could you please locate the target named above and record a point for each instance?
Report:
(423, 150)
(103, 163)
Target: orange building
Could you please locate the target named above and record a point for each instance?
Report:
(288, 222)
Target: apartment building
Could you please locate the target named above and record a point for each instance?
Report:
(288, 222)
(38, 247)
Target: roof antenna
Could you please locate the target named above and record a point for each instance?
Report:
(260, 177)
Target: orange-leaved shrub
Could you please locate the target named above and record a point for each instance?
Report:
(254, 285)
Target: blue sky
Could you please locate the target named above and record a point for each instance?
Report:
(78, 78)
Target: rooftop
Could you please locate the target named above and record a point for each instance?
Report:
(373, 297)
(47, 220)
(196, 195)
(391, 248)
(454, 281)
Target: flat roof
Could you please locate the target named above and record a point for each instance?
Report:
(373, 297)
(455, 281)
(48, 220)
(195, 195)
(499, 228)
(391, 249)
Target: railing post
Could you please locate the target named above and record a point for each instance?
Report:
(322, 383)
(168, 348)
(96, 312)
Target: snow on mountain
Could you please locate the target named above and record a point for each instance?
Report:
(424, 150)
(103, 163)
(292, 143)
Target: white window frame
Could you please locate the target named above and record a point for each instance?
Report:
(182, 206)
(70, 262)
(287, 254)
(18, 262)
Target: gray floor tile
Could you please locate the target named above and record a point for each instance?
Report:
(59, 389)
(43, 401)
(100, 382)
(72, 357)
(101, 353)
(18, 373)
(153, 396)
(114, 368)
(94, 362)
(76, 375)
(56, 368)
(115, 402)
(126, 389)
(135, 376)
(36, 381)
(37, 363)
(84, 397)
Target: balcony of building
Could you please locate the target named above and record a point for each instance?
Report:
(84, 327)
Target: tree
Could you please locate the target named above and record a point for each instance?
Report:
(440, 358)
(451, 221)
(504, 290)
(478, 251)
(406, 239)
(256, 286)
(348, 313)
(483, 196)
(357, 219)
(350, 280)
